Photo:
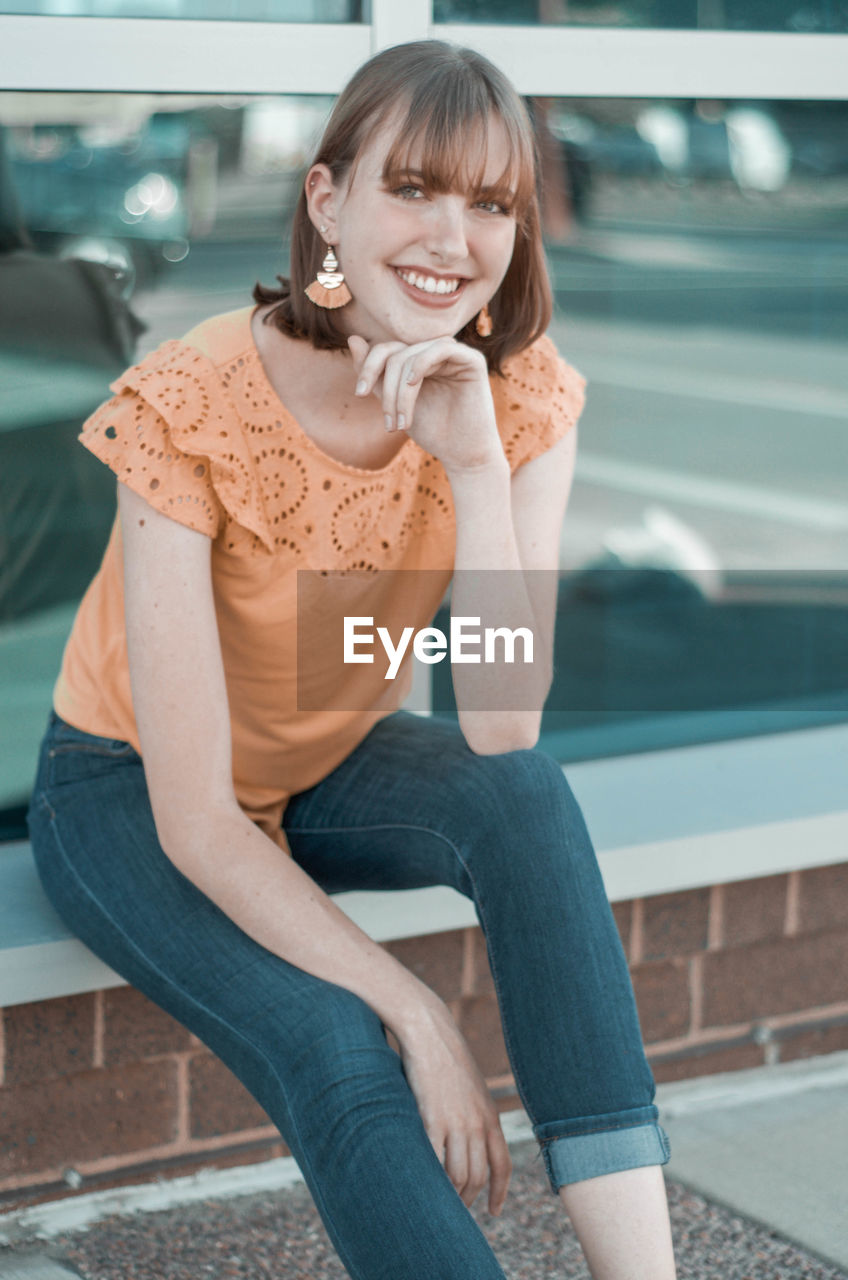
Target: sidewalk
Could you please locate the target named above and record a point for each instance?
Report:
(757, 1190)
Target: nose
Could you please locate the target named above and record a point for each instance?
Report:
(446, 232)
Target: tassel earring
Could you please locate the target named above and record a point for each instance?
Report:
(328, 289)
(483, 323)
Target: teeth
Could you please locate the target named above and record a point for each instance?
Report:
(429, 284)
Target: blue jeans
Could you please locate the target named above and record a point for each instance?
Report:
(411, 806)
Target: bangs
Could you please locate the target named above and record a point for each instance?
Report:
(443, 141)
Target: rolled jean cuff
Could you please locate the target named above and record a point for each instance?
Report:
(576, 1157)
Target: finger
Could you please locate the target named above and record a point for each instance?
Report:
(358, 348)
(392, 373)
(437, 1142)
(426, 358)
(407, 395)
(478, 1167)
(500, 1165)
(456, 1160)
(373, 365)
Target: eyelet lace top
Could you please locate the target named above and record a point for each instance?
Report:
(196, 429)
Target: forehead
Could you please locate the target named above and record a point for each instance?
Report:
(469, 155)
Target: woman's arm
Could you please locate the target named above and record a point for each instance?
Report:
(507, 531)
(180, 700)
(507, 558)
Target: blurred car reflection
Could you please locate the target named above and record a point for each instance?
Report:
(124, 191)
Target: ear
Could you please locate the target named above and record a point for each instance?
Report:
(321, 201)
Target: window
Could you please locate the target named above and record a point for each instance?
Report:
(695, 203)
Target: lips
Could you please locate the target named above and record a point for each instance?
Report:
(428, 289)
(428, 283)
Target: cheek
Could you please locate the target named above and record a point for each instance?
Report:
(501, 249)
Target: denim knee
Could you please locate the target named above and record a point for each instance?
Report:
(594, 1145)
(520, 792)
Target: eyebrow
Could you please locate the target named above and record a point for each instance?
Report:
(484, 189)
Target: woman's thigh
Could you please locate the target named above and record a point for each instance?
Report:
(414, 806)
(314, 1054)
(283, 1031)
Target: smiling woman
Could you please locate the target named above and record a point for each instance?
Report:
(421, 432)
(421, 121)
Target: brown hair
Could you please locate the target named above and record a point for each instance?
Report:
(449, 94)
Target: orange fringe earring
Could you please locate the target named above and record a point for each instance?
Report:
(483, 323)
(328, 289)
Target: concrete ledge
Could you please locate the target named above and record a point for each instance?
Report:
(662, 822)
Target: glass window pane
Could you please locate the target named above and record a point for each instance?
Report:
(700, 267)
(704, 15)
(218, 10)
(189, 198)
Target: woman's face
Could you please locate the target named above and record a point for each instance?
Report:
(419, 264)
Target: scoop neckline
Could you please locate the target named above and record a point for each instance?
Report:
(348, 467)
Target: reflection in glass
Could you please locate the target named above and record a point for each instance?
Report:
(700, 265)
(218, 10)
(704, 15)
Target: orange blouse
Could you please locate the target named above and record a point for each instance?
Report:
(198, 431)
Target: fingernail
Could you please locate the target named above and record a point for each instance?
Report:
(387, 418)
(401, 422)
(360, 387)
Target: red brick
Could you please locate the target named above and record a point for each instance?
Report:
(746, 983)
(49, 1038)
(484, 983)
(135, 1028)
(623, 916)
(823, 898)
(706, 1061)
(810, 1042)
(479, 1020)
(662, 997)
(219, 1102)
(435, 959)
(754, 910)
(675, 924)
(76, 1118)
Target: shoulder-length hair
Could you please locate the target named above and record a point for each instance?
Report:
(443, 97)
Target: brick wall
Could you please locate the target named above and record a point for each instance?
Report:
(105, 1089)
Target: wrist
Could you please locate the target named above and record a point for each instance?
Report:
(420, 1012)
(492, 470)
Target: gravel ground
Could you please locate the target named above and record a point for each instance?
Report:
(276, 1236)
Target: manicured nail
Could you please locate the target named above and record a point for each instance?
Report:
(387, 418)
(401, 422)
(361, 387)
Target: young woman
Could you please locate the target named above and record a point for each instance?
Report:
(194, 808)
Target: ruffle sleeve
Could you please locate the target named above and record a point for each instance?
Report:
(172, 434)
(537, 401)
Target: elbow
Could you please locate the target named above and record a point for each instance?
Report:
(498, 738)
(188, 840)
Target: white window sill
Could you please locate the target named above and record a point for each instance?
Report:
(661, 821)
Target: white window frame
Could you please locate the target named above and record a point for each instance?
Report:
(177, 55)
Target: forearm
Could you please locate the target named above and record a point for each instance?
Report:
(500, 704)
(265, 892)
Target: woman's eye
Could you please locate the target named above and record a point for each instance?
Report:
(408, 192)
(490, 206)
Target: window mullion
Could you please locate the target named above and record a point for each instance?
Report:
(398, 21)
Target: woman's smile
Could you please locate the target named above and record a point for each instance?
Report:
(428, 289)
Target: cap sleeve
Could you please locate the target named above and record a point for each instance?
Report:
(537, 401)
(172, 435)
